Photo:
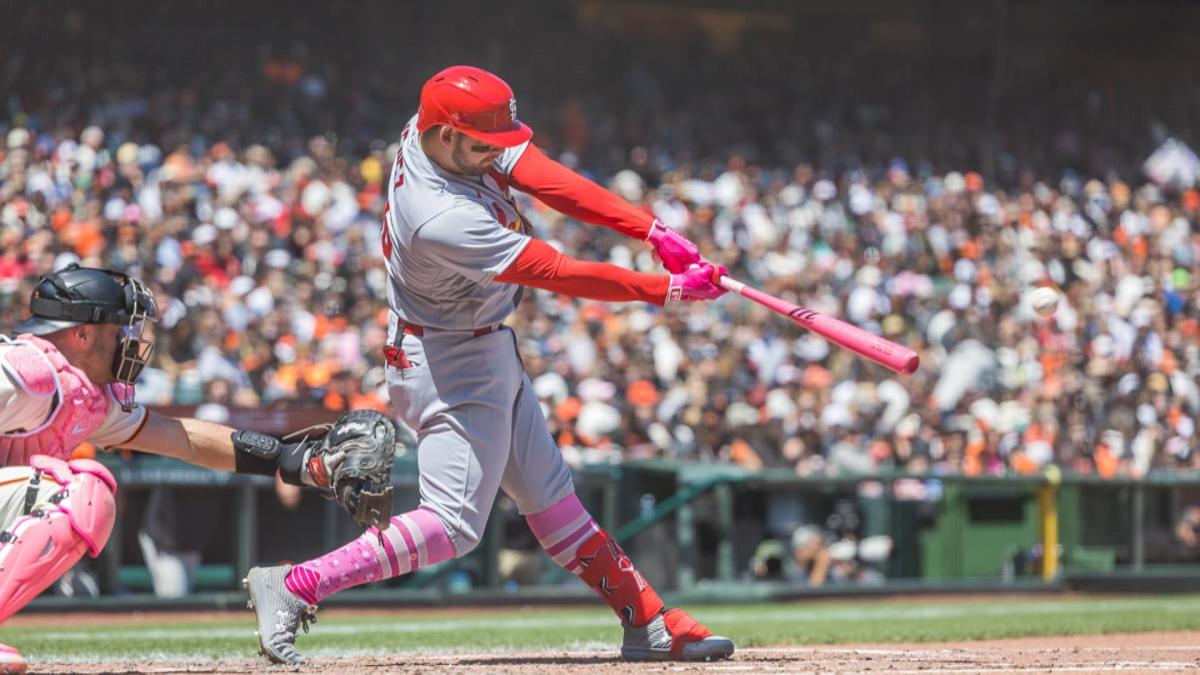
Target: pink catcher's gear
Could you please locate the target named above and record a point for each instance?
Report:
(43, 545)
(675, 250)
(37, 367)
(698, 282)
(11, 661)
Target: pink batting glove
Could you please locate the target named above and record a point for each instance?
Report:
(698, 282)
(674, 249)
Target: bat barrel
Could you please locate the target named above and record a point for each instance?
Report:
(884, 352)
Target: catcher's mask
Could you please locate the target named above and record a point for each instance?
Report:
(77, 295)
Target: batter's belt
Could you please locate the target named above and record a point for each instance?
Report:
(395, 356)
(419, 331)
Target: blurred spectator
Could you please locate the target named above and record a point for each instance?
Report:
(1187, 532)
(810, 556)
(769, 561)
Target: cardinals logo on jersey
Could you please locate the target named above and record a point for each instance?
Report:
(512, 221)
(509, 217)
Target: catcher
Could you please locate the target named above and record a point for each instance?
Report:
(67, 376)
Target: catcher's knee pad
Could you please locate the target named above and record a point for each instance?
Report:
(91, 503)
(86, 497)
(39, 547)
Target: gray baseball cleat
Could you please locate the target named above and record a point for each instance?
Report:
(674, 636)
(279, 613)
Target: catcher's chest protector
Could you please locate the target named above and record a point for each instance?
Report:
(40, 370)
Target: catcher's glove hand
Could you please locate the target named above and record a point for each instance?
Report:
(351, 461)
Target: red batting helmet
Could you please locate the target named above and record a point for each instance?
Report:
(476, 103)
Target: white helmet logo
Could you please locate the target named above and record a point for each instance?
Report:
(512, 108)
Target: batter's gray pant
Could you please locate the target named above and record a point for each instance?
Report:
(479, 428)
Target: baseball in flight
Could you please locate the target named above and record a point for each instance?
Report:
(1045, 301)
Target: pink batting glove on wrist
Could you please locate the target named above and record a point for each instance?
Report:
(698, 282)
(674, 249)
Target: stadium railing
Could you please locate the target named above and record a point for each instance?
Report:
(694, 528)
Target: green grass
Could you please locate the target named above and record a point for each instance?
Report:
(826, 622)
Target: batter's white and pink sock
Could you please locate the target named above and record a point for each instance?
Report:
(561, 529)
(415, 539)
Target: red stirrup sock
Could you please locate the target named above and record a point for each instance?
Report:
(606, 568)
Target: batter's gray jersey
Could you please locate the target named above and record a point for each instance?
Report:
(447, 236)
(478, 423)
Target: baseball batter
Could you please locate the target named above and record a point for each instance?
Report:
(68, 377)
(458, 254)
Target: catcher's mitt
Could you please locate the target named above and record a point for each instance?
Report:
(353, 462)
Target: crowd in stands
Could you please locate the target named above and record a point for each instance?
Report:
(247, 189)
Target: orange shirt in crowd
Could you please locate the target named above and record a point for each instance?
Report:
(1106, 462)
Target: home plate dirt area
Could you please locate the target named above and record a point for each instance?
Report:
(1144, 652)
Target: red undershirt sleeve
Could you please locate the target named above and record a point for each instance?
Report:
(540, 266)
(567, 192)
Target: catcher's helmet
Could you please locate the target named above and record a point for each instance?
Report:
(475, 102)
(77, 295)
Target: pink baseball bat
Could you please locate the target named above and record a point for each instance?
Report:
(884, 352)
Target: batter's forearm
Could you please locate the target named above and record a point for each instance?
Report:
(596, 283)
(567, 192)
(540, 266)
(191, 440)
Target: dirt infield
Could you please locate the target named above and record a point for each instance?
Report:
(1171, 652)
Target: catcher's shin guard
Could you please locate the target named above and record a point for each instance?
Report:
(43, 545)
(606, 568)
